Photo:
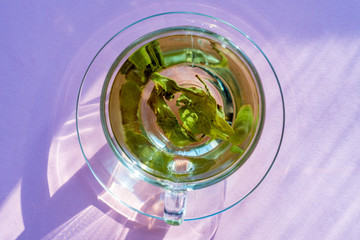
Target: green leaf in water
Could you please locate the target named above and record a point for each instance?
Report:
(236, 149)
(166, 119)
(198, 110)
(242, 125)
(130, 95)
(224, 63)
(146, 152)
(201, 165)
(143, 62)
(149, 54)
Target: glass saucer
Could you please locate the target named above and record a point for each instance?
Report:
(129, 188)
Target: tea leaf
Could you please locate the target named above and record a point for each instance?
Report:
(148, 55)
(236, 149)
(137, 69)
(201, 165)
(195, 56)
(146, 152)
(142, 63)
(242, 125)
(198, 110)
(224, 63)
(130, 95)
(140, 58)
(166, 119)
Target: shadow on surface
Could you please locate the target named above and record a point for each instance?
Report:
(65, 201)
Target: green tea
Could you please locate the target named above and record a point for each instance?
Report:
(184, 104)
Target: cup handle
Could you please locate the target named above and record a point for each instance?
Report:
(174, 206)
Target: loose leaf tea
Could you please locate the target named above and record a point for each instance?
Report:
(147, 153)
(242, 125)
(198, 110)
(166, 119)
(194, 115)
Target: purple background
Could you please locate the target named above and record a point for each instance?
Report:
(313, 190)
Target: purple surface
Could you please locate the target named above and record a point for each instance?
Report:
(313, 190)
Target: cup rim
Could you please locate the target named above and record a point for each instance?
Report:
(156, 179)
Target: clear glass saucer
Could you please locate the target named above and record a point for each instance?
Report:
(129, 188)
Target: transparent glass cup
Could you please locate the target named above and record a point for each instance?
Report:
(236, 73)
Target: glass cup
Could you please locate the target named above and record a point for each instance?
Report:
(203, 56)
